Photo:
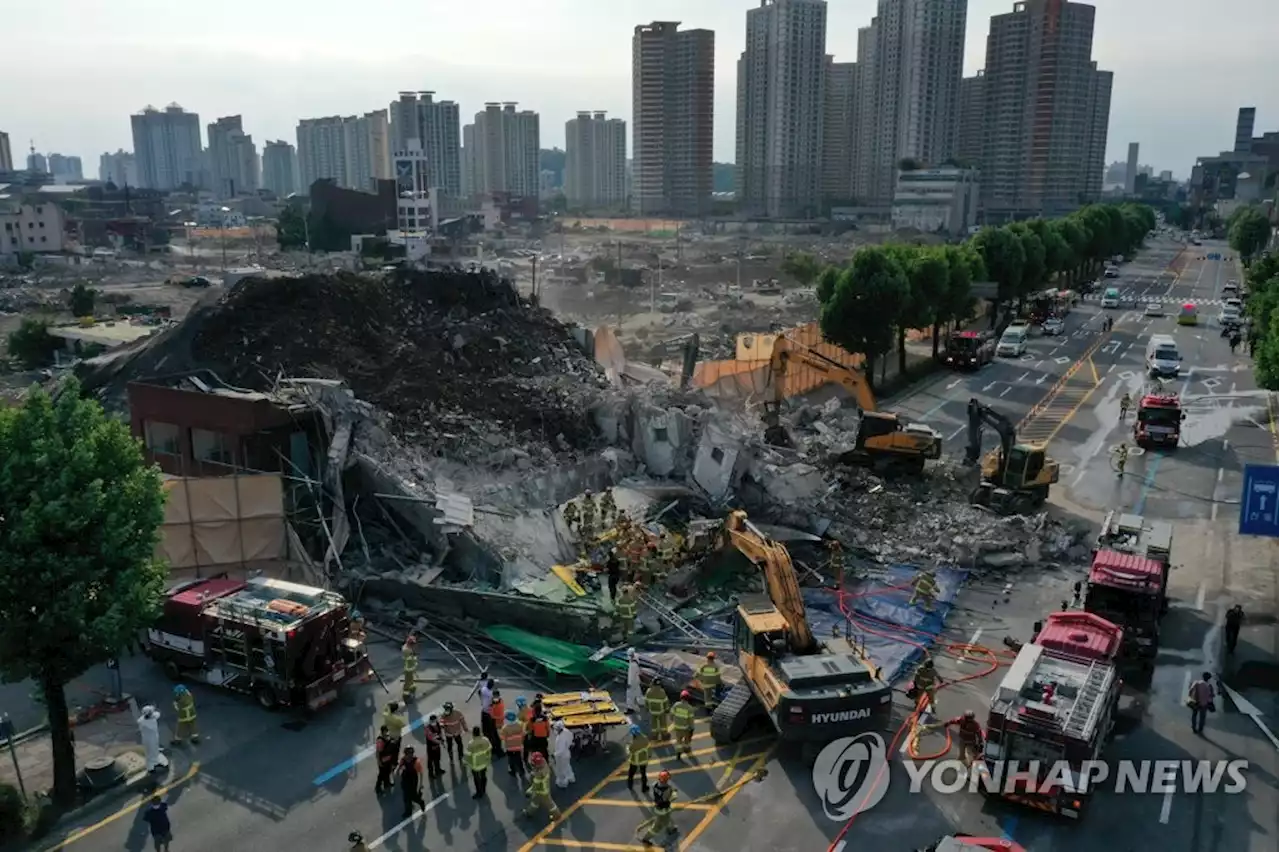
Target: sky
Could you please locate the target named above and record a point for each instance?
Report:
(74, 70)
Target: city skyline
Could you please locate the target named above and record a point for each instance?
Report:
(311, 67)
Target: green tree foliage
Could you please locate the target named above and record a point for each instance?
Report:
(79, 520)
(82, 300)
(801, 266)
(1004, 258)
(1249, 232)
(964, 266)
(1033, 264)
(1264, 318)
(32, 344)
(291, 228)
(1056, 250)
(1097, 225)
(928, 274)
(863, 304)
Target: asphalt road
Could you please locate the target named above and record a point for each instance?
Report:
(267, 785)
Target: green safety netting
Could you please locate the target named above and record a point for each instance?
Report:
(555, 655)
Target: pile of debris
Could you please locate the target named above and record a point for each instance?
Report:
(459, 363)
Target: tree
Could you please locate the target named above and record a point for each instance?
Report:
(1096, 224)
(1077, 239)
(79, 520)
(1249, 233)
(32, 344)
(801, 266)
(1056, 250)
(291, 228)
(1264, 317)
(82, 300)
(1033, 268)
(928, 273)
(1004, 258)
(863, 305)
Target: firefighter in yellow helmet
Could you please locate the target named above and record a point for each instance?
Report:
(709, 681)
(409, 655)
(185, 705)
(657, 703)
(539, 791)
(587, 522)
(925, 590)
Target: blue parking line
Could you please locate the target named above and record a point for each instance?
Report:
(1007, 826)
(1147, 482)
(364, 754)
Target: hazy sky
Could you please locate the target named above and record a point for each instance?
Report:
(74, 70)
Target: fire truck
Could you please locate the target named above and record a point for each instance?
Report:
(285, 644)
(1159, 422)
(969, 350)
(1128, 533)
(1129, 580)
(1055, 707)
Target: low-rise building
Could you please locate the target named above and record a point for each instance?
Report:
(24, 227)
(943, 200)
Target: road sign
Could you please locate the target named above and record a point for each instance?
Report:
(1214, 256)
(1258, 514)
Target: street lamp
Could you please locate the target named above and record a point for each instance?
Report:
(224, 211)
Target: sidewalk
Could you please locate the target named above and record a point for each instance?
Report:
(106, 737)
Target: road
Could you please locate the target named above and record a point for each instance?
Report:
(264, 785)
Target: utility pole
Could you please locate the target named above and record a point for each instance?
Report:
(534, 291)
(654, 284)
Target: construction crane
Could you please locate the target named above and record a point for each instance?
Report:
(813, 692)
(1015, 477)
(884, 441)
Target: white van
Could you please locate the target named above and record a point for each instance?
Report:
(1111, 298)
(1163, 359)
(1013, 342)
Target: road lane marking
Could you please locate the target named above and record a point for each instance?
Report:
(395, 829)
(703, 767)
(81, 833)
(702, 826)
(594, 844)
(640, 803)
(953, 384)
(368, 752)
(1023, 376)
(990, 386)
(953, 434)
(1005, 391)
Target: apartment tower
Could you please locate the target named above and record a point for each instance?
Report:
(506, 142)
(839, 125)
(280, 168)
(595, 166)
(168, 147)
(233, 158)
(436, 126)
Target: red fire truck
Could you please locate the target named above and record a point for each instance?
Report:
(1128, 589)
(1053, 712)
(1159, 422)
(287, 645)
(969, 350)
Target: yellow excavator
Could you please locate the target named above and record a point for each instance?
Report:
(812, 691)
(884, 441)
(1015, 477)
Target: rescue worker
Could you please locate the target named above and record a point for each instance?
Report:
(409, 653)
(608, 509)
(394, 721)
(613, 571)
(661, 822)
(386, 752)
(184, 703)
(539, 791)
(411, 782)
(658, 705)
(587, 524)
(539, 733)
(925, 590)
(497, 717)
(638, 759)
(971, 734)
(634, 696)
(453, 723)
(648, 568)
(570, 515)
(149, 729)
(625, 610)
(668, 556)
(682, 723)
(356, 839)
(926, 682)
(709, 681)
(435, 746)
(835, 559)
(479, 756)
(513, 737)
(359, 633)
(1122, 456)
(563, 755)
(1125, 402)
(524, 715)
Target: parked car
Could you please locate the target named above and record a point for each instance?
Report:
(1232, 286)
(1111, 272)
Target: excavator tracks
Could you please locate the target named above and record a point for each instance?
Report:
(730, 718)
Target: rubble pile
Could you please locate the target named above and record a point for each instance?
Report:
(458, 361)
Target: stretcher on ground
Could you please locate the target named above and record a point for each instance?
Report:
(589, 715)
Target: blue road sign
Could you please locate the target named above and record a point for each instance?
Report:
(1258, 514)
(1215, 256)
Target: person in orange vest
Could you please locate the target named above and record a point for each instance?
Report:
(524, 715)
(539, 735)
(497, 718)
(972, 737)
(512, 734)
(454, 725)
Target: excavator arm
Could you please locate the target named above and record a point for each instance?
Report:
(779, 575)
(979, 415)
(790, 357)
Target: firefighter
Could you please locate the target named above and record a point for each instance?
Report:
(1122, 456)
(638, 759)
(709, 681)
(570, 515)
(648, 566)
(435, 746)
(409, 654)
(512, 734)
(658, 705)
(479, 756)
(587, 524)
(411, 782)
(185, 705)
(539, 733)
(663, 794)
(497, 717)
(926, 682)
(925, 590)
(625, 610)
(971, 734)
(682, 723)
(608, 509)
(539, 791)
(386, 751)
(1125, 402)
(524, 715)
(835, 559)
(453, 723)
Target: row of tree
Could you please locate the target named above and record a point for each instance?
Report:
(1249, 232)
(869, 303)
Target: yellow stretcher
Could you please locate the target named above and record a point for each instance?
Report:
(589, 715)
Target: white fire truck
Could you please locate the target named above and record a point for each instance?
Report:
(287, 645)
(1054, 708)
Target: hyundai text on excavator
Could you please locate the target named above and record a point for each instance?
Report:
(1015, 477)
(813, 692)
(884, 441)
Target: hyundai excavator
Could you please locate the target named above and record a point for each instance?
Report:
(812, 691)
(884, 441)
(1015, 477)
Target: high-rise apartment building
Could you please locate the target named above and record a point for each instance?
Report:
(866, 102)
(969, 119)
(367, 146)
(672, 119)
(168, 147)
(838, 128)
(1131, 169)
(6, 153)
(1244, 129)
(120, 168)
(65, 167)
(1045, 112)
(36, 162)
(280, 168)
(913, 80)
(595, 163)
(436, 125)
(506, 142)
(322, 151)
(781, 107)
(233, 158)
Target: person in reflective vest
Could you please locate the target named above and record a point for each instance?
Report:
(570, 516)
(453, 723)
(479, 756)
(356, 839)
(682, 723)
(926, 683)
(512, 734)
(587, 523)
(409, 654)
(539, 735)
(563, 755)
(539, 791)
(660, 822)
(972, 737)
(608, 509)
(185, 705)
(638, 759)
(435, 746)
(524, 715)
(709, 680)
(657, 703)
(625, 610)
(386, 752)
(497, 718)
(925, 590)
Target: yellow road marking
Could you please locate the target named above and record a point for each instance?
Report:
(1094, 367)
(127, 809)
(705, 823)
(728, 770)
(621, 771)
(703, 767)
(595, 844)
(636, 803)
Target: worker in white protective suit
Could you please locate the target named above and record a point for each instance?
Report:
(149, 728)
(635, 696)
(563, 755)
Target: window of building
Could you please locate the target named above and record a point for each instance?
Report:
(162, 438)
(717, 455)
(212, 447)
(660, 435)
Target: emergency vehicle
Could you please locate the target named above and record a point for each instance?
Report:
(285, 644)
(968, 843)
(969, 350)
(1159, 422)
(1055, 706)
(1129, 533)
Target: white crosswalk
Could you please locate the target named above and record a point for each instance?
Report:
(1133, 298)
